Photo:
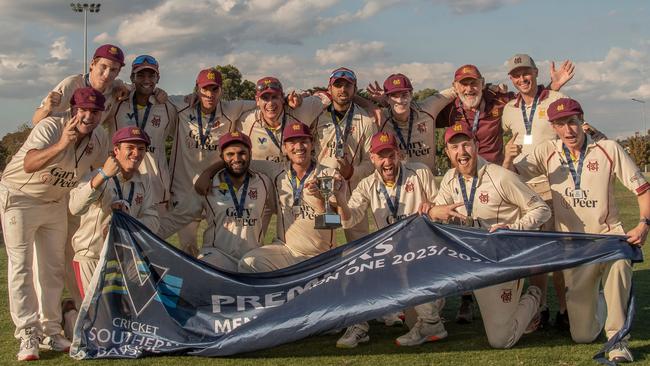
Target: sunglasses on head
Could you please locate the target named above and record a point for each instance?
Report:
(145, 58)
(343, 74)
(270, 85)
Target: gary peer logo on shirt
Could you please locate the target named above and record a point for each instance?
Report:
(585, 202)
(59, 178)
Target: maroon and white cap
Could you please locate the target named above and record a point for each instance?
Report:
(234, 137)
(295, 129)
(397, 83)
(563, 107)
(467, 72)
(208, 77)
(87, 98)
(382, 141)
(110, 52)
(131, 134)
(457, 129)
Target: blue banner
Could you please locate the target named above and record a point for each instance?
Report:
(147, 297)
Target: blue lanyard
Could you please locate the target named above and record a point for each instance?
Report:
(476, 116)
(239, 205)
(576, 174)
(118, 189)
(146, 113)
(393, 206)
(528, 120)
(297, 188)
(469, 202)
(199, 121)
(398, 130)
(342, 136)
(87, 80)
(272, 134)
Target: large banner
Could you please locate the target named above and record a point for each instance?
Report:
(148, 298)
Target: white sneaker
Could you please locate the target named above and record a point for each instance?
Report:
(423, 332)
(29, 341)
(392, 319)
(620, 353)
(57, 343)
(354, 335)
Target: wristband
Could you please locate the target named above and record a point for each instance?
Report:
(101, 171)
(645, 220)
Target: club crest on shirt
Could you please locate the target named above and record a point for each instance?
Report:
(506, 295)
(542, 113)
(484, 197)
(192, 117)
(89, 148)
(138, 199)
(261, 140)
(495, 112)
(422, 127)
(592, 165)
(155, 120)
(252, 193)
(409, 187)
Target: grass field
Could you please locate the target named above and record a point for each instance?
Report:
(466, 344)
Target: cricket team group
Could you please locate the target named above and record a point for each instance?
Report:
(99, 144)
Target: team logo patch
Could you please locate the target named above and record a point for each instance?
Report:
(484, 197)
(46, 178)
(92, 98)
(12, 221)
(192, 117)
(466, 70)
(637, 176)
(211, 75)
(506, 295)
(457, 127)
(89, 148)
(592, 165)
(560, 107)
(252, 194)
(422, 127)
(397, 82)
(135, 131)
(138, 199)
(113, 50)
(517, 60)
(234, 134)
(383, 137)
(542, 113)
(495, 112)
(261, 140)
(409, 187)
(296, 127)
(155, 121)
(223, 188)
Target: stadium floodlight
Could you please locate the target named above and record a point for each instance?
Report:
(85, 8)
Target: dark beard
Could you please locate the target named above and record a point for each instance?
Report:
(237, 174)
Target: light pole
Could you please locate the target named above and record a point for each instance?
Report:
(645, 131)
(85, 8)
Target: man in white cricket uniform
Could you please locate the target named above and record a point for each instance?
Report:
(342, 137)
(298, 203)
(413, 123)
(489, 196)
(116, 185)
(265, 124)
(33, 202)
(195, 147)
(158, 120)
(582, 175)
(393, 191)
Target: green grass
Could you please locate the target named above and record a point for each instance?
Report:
(466, 345)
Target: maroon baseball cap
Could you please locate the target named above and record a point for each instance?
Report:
(457, 129)
(343, 73)
(88, 98)
(268, 85)
(295, 129)
(563, 107)
(397, 83)
(234, 137)
(131, 134)
(381, 141)
(467, 72)
(208, 77)
(110, 52)
(143, 62)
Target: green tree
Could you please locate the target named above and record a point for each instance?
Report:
(11, 142)
(420, 95)
(233, 86)
(638, 148)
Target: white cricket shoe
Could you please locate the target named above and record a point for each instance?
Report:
(354, 335)
(423, 332)
(620, 353)
(392, 319)
(29, 341)
(57, 343)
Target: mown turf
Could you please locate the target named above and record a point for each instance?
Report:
(466, 344)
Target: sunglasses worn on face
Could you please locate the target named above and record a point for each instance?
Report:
(145, 58)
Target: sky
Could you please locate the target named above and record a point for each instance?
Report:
(301, 41)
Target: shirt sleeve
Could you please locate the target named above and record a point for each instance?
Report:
(428, 184)
(358, 204)
(365, 166)
(535, 212)
(435, 103)
(627, 171)
(310, 109)
(66, 88)
(84, 195)
(445, 195)
(534, 164)
(43, 135)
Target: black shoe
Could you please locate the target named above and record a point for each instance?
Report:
(544, 318)
(562, 321)
(465, 313)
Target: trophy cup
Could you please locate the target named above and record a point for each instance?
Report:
(328, 220)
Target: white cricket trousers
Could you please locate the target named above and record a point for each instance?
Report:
(32, 227)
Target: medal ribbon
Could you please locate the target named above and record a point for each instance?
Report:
(342, 136)
(146, 113)
(203, 137)
(239, 205)
(398, 131)
(297, 188)
(272, 134)
(118, 188)
(469, 202)
(576, 173)
(528, 120)
(393, 206)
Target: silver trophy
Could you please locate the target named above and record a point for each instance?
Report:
(328, 220)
